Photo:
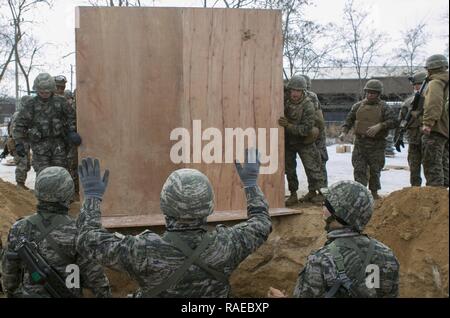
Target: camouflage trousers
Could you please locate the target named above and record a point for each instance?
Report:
(435, 159)
(415, 164)
(23, 165)
(368, 160)
(72, 159)
(312, 164)
(48, 153)
(321, 144)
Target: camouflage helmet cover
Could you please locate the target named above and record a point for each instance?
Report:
(54, 184)
(187, 194)
(374, 85)
(418, 77)
(297, 82)
(44, 82)
(60, 80)
(436, 61)
(352, 203)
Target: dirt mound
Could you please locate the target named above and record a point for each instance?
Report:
(414, 223)
(14, 203)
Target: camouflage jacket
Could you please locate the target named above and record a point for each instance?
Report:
(436, 95)
(149, 259)
(302, 116)
(414, 128)
(39, 121)
(16, 279)
(315, 100)
(320, 272)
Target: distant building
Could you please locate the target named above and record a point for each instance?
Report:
(338, 95)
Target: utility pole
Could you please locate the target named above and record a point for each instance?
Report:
(71, 77)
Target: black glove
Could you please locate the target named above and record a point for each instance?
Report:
(20, 150)
(3, 155)
(94, 185)
(74, 138)
(250, 170)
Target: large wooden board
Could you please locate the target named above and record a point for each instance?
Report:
(142, 72)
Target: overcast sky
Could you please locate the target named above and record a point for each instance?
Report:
(55, 26)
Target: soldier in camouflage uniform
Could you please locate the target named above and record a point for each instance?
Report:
(22, 163)
(435, 123)
(187, 260)
(339, 268)
(47, 122)
(302, 128)
(321, 142)
(54, 232)
(414, 133)
(72, 156)
(371, 118)
(60, 82)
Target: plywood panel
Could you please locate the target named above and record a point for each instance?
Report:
(142, 72)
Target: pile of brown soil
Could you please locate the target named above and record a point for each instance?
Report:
(414, 223)
(14, 203)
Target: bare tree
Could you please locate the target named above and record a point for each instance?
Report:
(116, 3)
(7, 46)
(414, 39)
(359, 40)
(18, 10)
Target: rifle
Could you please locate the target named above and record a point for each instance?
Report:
(41, 272)
(406, 122)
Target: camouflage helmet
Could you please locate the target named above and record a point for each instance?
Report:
(44, 82)
(374, 85)
(351, 202)
(297, 82)
(436, 61)
(68, 94)
(60, 80)
(23, 101)
(308, 81)
(418, 77)
(187, 194)
(54, 184)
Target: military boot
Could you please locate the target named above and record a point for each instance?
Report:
(375, 195)
(292, 200)
(309, 196)
(21, 185)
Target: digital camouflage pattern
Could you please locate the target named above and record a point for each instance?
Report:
(435, 159)
(320, 273)
(54, 184)
(414, 135)
(44, 82)
(321, 142)
(44, 125)
(297, 82)
(302, 116)
(23, 164)
(374, 85)
(436, 61)
(92, 275)
(149, 259)
(351, 202)
(368, 153)
(187, 194)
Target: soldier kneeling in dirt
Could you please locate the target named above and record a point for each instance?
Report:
(339, 268)
(187, 260)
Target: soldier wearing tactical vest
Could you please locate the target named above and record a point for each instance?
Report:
(371, 119)
(47, 122)
(321, 142)
(435, 123)
(54, 233)
(302, 128)
(339, 268)
(187, 260)
(414, 130)
(23, 164)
